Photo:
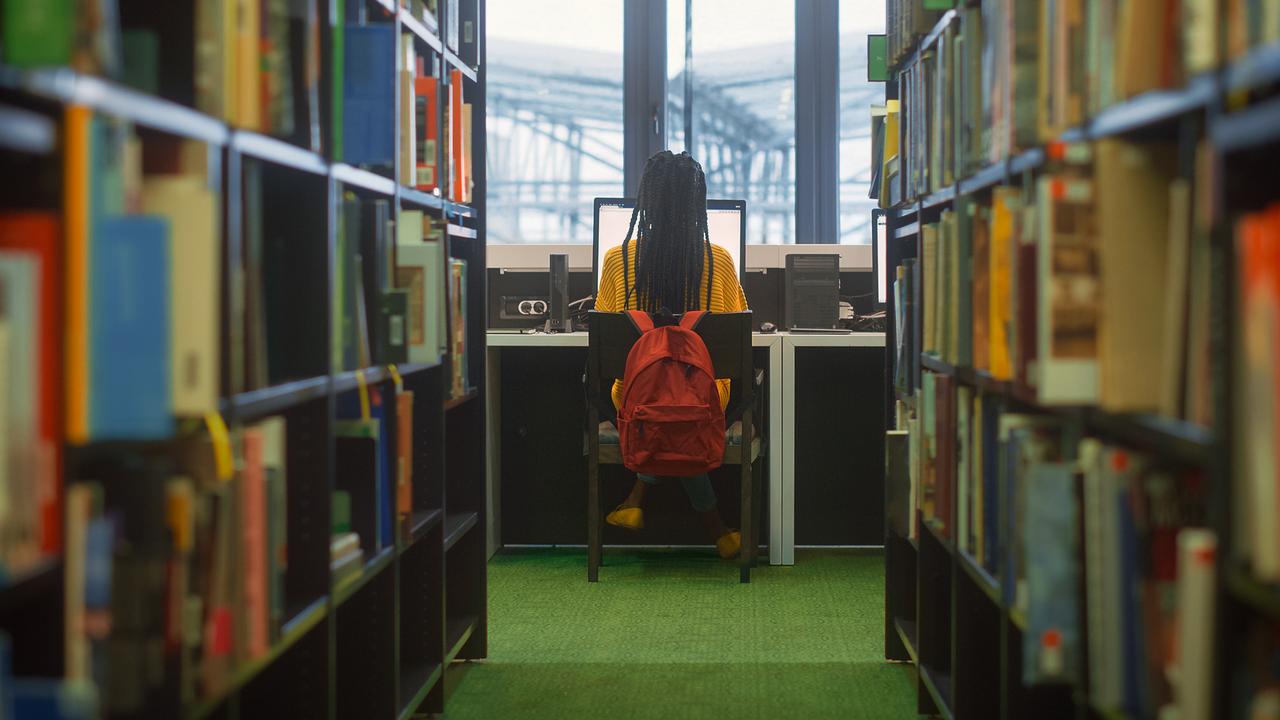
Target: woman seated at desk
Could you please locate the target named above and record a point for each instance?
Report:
(656, 271)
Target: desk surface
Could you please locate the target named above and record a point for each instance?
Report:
(518, 338)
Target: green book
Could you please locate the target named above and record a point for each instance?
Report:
(38, 33)
(141, 60)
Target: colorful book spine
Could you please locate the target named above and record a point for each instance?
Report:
(369, 95)
(129, 391)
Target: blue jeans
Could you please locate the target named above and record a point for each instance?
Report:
(697, 487)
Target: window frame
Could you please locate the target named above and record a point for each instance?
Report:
(817, 107)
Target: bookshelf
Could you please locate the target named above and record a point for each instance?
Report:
(286, 415)
(961, 600)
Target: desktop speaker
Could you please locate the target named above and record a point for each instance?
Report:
(812, 292)
(558, 300)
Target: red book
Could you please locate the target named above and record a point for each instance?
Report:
(254, 518)
(404, 452)
(39, 233)
(457, 189)
(426, 95)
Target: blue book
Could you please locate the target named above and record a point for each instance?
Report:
(54, 699)
(369, 95)
(1051, 645)
(349, 409)
(129, 388)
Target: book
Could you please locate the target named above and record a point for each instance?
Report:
(129, 382)
(247, 46)
(372, 487)
(369, 82)
(1051, 644)
(406, 74)
(36, 236)
(1005, 207)
(420, 271)
(1197, 562)
(38, 34)
(1070, 302)
(191, 209)
(253, 542)
(427, 122)
(404, 456)
(1177, 298)
(1133, 213)
(459, 153)
(980, 291)
(929, 266)
(458, 357)
(1256, 493)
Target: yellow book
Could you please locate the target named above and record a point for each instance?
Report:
(408, 113)
(929, 266)
(890, 148)
(1004, 205)
(76, 210)
(195, 270)
(470, 181)
(1132, 188)
(248, 71)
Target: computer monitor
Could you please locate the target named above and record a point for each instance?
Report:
(726, 227)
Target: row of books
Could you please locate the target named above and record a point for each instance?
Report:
(142, 229)
(1052, 285)
(1009, 75)
(374, 499)
(378, 66)
(1045, 514)
(175, 567)
(254, 63)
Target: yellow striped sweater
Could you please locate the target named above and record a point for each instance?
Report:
(726, 294)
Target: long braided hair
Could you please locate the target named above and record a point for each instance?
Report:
(673, 247)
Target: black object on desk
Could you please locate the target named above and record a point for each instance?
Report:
(812, 292)
(558, 307)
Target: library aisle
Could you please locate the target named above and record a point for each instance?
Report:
(672, 635)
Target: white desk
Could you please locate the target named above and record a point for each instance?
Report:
(781, 377)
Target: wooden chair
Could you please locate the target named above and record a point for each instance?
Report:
(728, 339)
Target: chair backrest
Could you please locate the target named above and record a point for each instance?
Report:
(611, 335)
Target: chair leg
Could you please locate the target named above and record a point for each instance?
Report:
(593, 520)
(746, 557)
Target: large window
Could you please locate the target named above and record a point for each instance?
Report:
(858, 18)
(731, 104)
(555, 117)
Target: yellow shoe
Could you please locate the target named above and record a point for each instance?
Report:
(630, 518)
(729, 544)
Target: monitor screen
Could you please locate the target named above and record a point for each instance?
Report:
(726, 226)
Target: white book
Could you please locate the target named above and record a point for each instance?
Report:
(1062, 379)
(409, 228)
(195, 265)
(1197, 561)
(420, 270)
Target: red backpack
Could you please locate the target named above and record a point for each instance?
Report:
(670, 422)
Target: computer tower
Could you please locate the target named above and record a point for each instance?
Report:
(558, 299)
(812, 295)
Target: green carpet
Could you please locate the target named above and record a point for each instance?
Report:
(672, 634)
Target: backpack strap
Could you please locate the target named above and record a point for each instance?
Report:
(690, 319)
(641, 319)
